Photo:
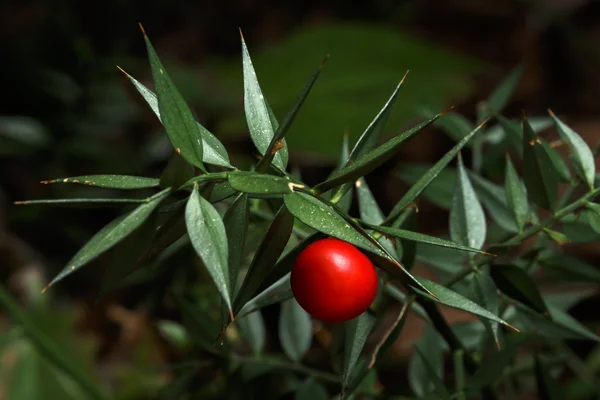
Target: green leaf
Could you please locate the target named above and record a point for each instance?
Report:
(538, 171)
(207, 234)
(467, 220)
(278, 292)
(558, 163)
(516, 195)
(171, 230)
(177, 172)
(456, 125)
(235, 221)
(259, 185)
(221, 191)
(265, 257)
(582, 152)
(485, 293)
(593, 217)
(47, 347)
(459, 373)
(110, 235)
(420, 377)
(424, 181)
(547, 386)
(109, 181)
(213, 151)
(276, 141)
(126, 254)
(295, 330)
(371, 160)
(258, 113)
(345, 201)
(421, 238)
(558, 237)
(174, 333)
(516, 283)
(83, 202)
(500, 96)
(182, 129)
(452, 299)
(440, 189)
(493, 198)
(438, 384)
(198, 323)
(370, 212)
(311, 390)
(357, 332)
(562, 325)
(253, 330)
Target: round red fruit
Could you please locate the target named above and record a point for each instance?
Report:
(333, 281)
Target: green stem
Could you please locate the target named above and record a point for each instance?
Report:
(527, 233)
(47, 347)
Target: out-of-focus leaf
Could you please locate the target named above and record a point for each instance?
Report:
(582, 152)
(493, 199)
(421, 238)
(546, 385)
(357, 332)
(502, 93)
(420, 377)
(440, 189)
(209, 238)
(467, 220)
(370, 212)
(261, 122)
(516, 283)
(253, 330)
(373, 159)
(484, 292)
(278, 292)
(456, 125)
(213, 151)
(178, 387)
(434, 378)
(236, 226)
(295, 330)
(110, 181)
(424, 181)
(110, 235)
(277, 140)
(562, 325)
(538, 172)
(442, 258)
(174, 333)
(26, 130)
(558, 237)
(516, 195)
(559, 164)
(175, 114)
(201, 327)
(351, 92)
(259, 185)
(83, 202)
(311, 390)
(267, 254)
(452, 299)
(177, 172)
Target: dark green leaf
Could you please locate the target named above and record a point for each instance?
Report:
(540, 179)
(110, 235)
(500, 96)
(562, 325)
(207, 234)
(259, 185)
(236, 226)
(311, 390)
(177, 172)
(295, 330)
(174, 333)
(213, 151)
(581, 151)
(514, 134)
(516, 195)
(424, 181)
(516, 283)
(175, 114)
(559, 164)
(199, 324)
(357, 332)
(259, 117)
(278, 292)
(456, 125)
(467, 220)
(84, 202)
(276, 141)
(167, 233)
(452, 299)
(180, 385)
(547, 386)
(459, 374)
(558, 237)
(493, 198)
(253, 330)
(373, 159)
(370, 212)
(110, 181)
(126, 254)
(432, 374)
(438, 192)
(421, 238)
(485, 293)
(267, 254)
(421, 378)
(221, 191)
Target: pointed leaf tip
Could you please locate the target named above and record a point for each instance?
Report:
(447, 110)
(404, 77)
(142, 28)
(241, 34)
(324, 61)
(123, 71)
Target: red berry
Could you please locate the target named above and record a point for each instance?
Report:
(333, 281)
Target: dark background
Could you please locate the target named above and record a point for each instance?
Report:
(65, 110)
